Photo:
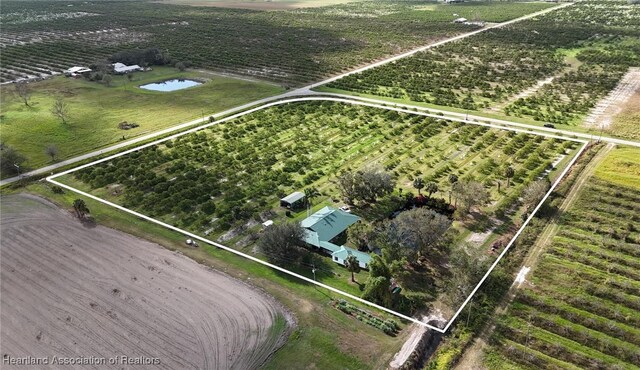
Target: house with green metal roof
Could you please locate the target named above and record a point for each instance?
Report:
(322, 227)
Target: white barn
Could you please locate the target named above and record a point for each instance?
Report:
(123, 68)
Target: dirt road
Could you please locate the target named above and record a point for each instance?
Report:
(70, 290)
(472, 357)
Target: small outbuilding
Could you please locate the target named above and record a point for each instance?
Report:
(293, 201)
(76, 71)
(120, 68)
(460, 20)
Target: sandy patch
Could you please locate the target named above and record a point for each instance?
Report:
(610, 106)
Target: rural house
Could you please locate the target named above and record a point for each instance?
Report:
(322, 227)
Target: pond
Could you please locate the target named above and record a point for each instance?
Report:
(170, 85)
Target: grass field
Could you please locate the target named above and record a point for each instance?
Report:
(96, 110)
(622, 168)
(627, 122)
(581, 306)
(325, 337)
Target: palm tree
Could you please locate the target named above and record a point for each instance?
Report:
(508, 173)
(353, 265)
(80, 207)
(418, 183)
(453, 179)
(309, 194)
(431, 188)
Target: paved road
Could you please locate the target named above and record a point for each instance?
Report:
(303, 91)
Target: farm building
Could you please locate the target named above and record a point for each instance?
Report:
(460, 20)
(76, 71)
(121, 68)
(322, 227)
(293, 200)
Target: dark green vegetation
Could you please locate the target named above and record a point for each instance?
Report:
(291, 47)
(96, 111)
(480, 312)
(582, 310)
(224, 180)
(587, 47)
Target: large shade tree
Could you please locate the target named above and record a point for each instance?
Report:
(419, 230)
(283, 243)
(471, 194)
(367, 185)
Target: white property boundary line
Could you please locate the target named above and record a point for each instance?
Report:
(52, 180)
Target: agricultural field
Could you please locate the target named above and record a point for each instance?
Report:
(626, 122)
(290, 47)
(72, 290)
(580, 306)
(552, 68)
(224, 181)
(258, 4)
(324, 336)
(95, 110)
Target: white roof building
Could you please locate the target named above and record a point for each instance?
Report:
(76, 70)
(123, 68)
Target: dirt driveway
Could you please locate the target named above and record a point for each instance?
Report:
(73, 291)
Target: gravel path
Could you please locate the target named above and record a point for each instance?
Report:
(70, 290)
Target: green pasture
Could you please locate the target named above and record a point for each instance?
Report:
(622, 167)
(96, 109)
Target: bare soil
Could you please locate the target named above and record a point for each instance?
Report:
(73, 290)
(610, 106)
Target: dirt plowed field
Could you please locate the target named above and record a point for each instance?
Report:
(70, 290)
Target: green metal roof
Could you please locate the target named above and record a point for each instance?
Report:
(329, 222)
(345, 252)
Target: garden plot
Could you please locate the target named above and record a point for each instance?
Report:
(231, 176)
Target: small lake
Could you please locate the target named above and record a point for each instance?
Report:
(170, 85)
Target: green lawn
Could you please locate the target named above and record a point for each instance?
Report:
(622, 167)
(324, 337)
(96, 110)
